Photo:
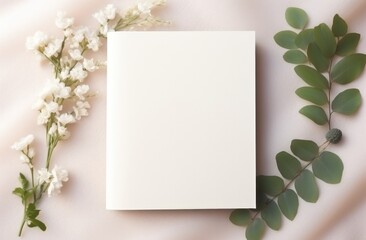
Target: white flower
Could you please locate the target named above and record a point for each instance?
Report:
(81, 90)
(78, 72)
(100, 17)
(94, 43)
(110, 11)
(68, 32)
(31, 152)
(23, 143)
(24, 158)
(62, 21)
(52, 129)
(89, 65)
(38, 40)
(44, 176)
(62, 131)
(50, 88)
(80, 109)
(43, 117)
(146, 6)
(65, 119)
(65, 73)
(59, 175)
(62, 91)
(38, 104)
(53, 47)
(53, 107)
(75, 54)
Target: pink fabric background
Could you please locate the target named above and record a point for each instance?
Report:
(79, 212)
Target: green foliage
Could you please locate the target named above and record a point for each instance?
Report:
(315, 113)
(347, 102)
(324, 56)
(255, 229)
(328, 167)
(304, 149)
(271, 185)
(240, 217)
(313, 95)
(295, 56)
(288, 202)
(306, 186)
(286, 39)
(311, 76)
(288, 165)
(296, 17)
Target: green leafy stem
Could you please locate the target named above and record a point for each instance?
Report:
(323, 56)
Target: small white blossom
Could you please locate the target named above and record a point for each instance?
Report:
(65, 119)
(31, 152)
(50, 88)
(38, 104)
(62, 131)
(75, 54)
(53, 47)
(110, 11)
(44, 176)
(52, 129)
(62, 21)
(89, 65)
(58, 176)
(65, 73)
(53, 107)
(78, 72)
(24, 158)
(23, 143)
(68, 32)
(62, 91)
(43, 117)
(94, 43)
(100, 17)
(81, 90)
(81, 109)
(38, 40)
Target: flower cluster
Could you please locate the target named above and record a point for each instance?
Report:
(64, 99)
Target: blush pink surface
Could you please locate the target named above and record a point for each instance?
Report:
(79, 212)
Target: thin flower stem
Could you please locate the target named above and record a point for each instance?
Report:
(23, 221)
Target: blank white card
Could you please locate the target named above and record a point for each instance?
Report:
(180, 120)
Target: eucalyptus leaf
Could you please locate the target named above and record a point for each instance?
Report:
(312, 94)
(312, 77)
(306, 186)
(272, 216)
(255, 230)
(325, 39)
(328, 167)
(286, 39)
(348, 44)
(304, 38)
(288, 202)
(296, 17)
(261, 200)
(240, 217)
(304, 149)
(349, 68)
(288, 165)
(339, 27)
(316, 57)
(315, 113)
(271, 185)
(295, 57)
(347, 102)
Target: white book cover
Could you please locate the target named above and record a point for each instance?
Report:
(181, 120)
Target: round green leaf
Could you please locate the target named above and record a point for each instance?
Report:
(316, 57)
(296, 17)
(286, 39)
(272, 216)
(271, 185)
(325, 39)
(349, 68)
(304, 38)
(288, 203)
(347, 102)
(240, 217)
(295, 57)
(306, 187)
(339, 27)
(312, 94)
(348, 44)
(315, 114)
(255, 230)
(288, 165)
(328, 167)
(304, 149)
(261, 199)
(312, 76)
